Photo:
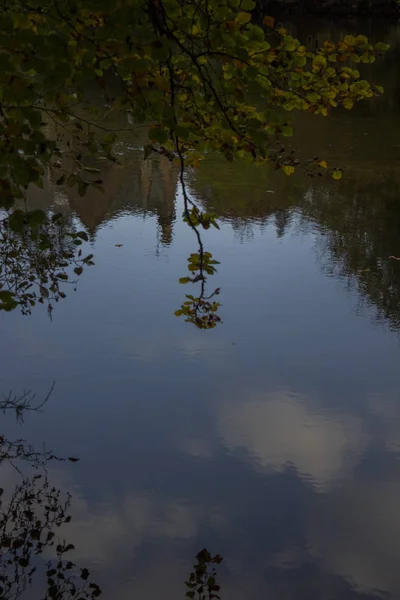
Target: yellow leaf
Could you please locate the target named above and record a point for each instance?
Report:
(381, 47)
(161, 82)
(269, 22)
(243, 17)
(337, 174)
(288, 169)
(323, 164)
(319, 63)
(361, 40)
(349, 40)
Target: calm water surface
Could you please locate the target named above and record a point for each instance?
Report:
(273, 439)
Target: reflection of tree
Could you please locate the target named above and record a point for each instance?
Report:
(282, 218)
(31, 515)
(139, 185)
(361, 230)
(131, 185)
(159, 180)
(36, 253)
(359, 220)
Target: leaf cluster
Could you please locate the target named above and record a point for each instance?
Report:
(199, 75)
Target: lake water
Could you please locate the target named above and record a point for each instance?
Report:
(273, 439)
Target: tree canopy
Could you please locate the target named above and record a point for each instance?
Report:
(194, 76)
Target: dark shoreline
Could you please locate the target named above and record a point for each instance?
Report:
(329, 8)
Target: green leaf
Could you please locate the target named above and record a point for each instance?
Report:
(17, 221)
(158, 135)
(6, 296)
(109, 138)
(44, 291)
(9, 306)
(247, 4)
(287, 131)
(36, 217)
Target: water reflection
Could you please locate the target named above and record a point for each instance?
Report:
(280, 430)
(292, 518)
(147, 187)
(359, 236)
(358, 222)
(32, 514)
(133, 187)
(274, 440)
(37, 255)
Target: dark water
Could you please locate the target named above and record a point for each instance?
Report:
(273, 439)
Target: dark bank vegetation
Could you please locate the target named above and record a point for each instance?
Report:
(329, 8)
